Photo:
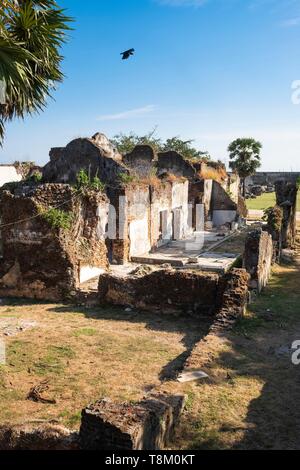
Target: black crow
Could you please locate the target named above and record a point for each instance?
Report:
(127, 54)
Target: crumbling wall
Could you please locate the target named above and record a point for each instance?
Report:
(148, 216)
(242, 207)
(233, 300)
(233, 187)
(137, 217)
(46, 261)
(286, 198)
(162, 290)
(258, 258)
(274, 217)
(224, 209)
(173, 163)
(200, 192)
(147, 425)
(141, 160)
(169, 212)
(38, 437)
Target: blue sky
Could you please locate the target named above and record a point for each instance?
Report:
(209, 70)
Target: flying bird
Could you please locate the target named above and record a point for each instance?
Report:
(127, 54)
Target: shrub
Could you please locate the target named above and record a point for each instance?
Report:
(84, 181)
(274, 217)
(36, 177)
(57, 218)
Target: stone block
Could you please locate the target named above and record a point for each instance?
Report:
(147, 425)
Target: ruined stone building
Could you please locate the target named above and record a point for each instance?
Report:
(56, 235)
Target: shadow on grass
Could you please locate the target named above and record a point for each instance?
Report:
(193, 329)
(273, 418)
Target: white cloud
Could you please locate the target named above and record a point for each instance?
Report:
(182, 3)
(291, 22)
(128, 114)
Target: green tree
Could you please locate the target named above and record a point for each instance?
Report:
(185, 148)
(244, 157)
(125, 143)
(31, 35)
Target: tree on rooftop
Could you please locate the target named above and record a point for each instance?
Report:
(32, 33)
(244, 157)
(185, 148)
(125, 143)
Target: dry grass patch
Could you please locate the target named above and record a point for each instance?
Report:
(85, 355)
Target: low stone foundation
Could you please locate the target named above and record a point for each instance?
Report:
(163, 290)
(258, 258)
(34, 437)
(147, 425)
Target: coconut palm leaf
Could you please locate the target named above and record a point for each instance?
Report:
(32, 33)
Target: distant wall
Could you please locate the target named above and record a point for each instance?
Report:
(270, 177)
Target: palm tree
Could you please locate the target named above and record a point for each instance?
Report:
(245, 158)
(31, 35)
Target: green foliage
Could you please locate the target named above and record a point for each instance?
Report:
(36, 177)
(97, 184)
(244, 156)
(125, 143)
(31, 35)
(84, 181)
(185, 149)
(57, 218)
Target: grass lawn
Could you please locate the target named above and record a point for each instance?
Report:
(265, 201)
(86, 355)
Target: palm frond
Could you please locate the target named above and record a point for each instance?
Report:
(32, 33)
